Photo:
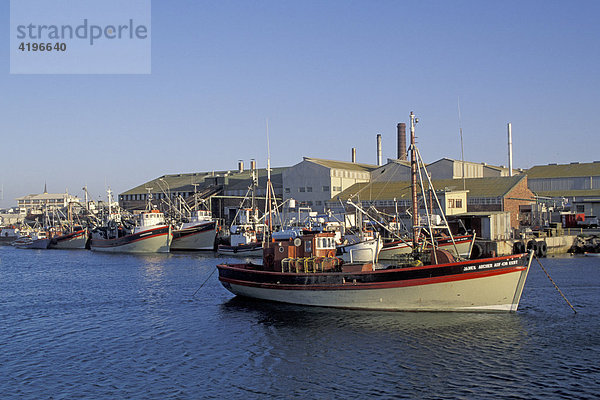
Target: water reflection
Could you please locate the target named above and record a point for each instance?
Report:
(401, 349)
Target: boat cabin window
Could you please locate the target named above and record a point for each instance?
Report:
(308, 246)
(325, 243)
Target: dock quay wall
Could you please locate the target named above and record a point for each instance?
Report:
(553, 245)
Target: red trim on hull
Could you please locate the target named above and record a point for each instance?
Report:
(379, 285)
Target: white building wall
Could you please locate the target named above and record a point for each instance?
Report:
(313, 184)
(308, 183)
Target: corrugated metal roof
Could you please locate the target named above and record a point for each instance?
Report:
(477, 187)
(46, 196)
(569, 193)
(564, 170)
(342, 164)
(184, 182)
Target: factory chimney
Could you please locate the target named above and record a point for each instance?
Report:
(402, 141)
(354, 154)
(379, 157)
(241, 166)
(510, 164)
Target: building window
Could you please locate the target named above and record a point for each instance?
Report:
(318, 202)
(309, 188)
(287, 190)
(458, 203)
(337, 188)
(310, 203)
(326, 188)
(301, 189)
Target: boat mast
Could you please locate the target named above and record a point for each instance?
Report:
(413, 182)
(269, 184)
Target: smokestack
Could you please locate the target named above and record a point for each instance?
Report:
(354, 154)
(402, 141)
(510, 165)
(379, 159)
(241, 166)
(252, 164)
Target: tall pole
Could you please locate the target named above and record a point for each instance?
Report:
(510, 158)
(462, 149)
(413, 182)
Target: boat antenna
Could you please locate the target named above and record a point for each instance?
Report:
(462, 152)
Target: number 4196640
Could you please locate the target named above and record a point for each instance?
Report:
(43, 46)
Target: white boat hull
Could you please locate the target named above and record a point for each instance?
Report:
(194, 238)
(402, 248)
(35, 244)
(157, 240)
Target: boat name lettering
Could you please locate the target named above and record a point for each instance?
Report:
(491, 265)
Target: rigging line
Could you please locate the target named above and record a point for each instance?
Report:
(211, 274)
(555, 285)
(430, 183)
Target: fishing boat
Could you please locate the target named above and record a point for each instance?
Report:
(197, 233)
(78, 238)
(10, 233)
(246, 236)
(246, 233)
(34, 240)
(151, 234)
(303, 271)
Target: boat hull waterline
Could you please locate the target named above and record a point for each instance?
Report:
(156, 240)
(478, 285)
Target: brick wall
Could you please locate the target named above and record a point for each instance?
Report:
(519, 191)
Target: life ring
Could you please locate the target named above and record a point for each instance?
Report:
(330, 253)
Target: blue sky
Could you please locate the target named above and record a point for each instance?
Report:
(328, 75)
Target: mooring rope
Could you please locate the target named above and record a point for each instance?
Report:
(204, 282)
(555, 285)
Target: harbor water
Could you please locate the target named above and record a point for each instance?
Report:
(78, 324)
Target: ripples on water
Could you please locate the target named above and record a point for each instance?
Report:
(77, 324)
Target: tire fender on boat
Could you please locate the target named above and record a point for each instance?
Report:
(477, 251)
(542, 249)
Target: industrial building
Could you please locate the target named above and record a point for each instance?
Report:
(219, 191)
(504, 194)
(575, 186)
(313, 181)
